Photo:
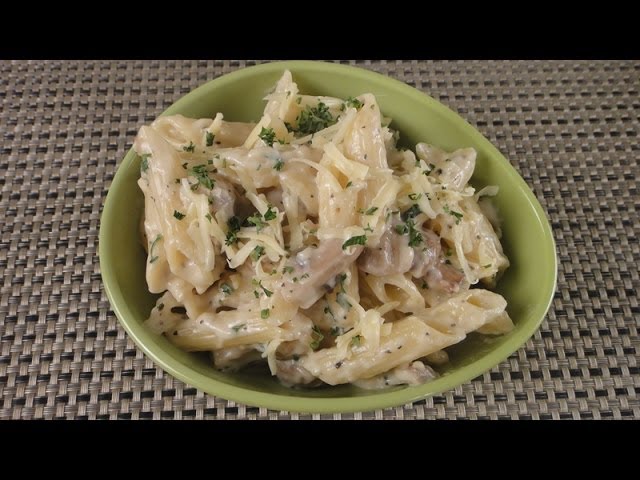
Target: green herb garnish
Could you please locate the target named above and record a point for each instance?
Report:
(353, 103)
(256, 220)
(189, 148)
(458, 215)
(144, 164)
(341, 279)
(178, 215)
(412, 212)
(236, 328)
(314, 119)
(264, 313)
(209, 138)
(357, 240)
(201, 174)
(234, 227)
(267, 135)
(153, 244)
(270, 214)
(226, 288)
(257, 253)
(371, 211)
(341, 300)
(316, 338)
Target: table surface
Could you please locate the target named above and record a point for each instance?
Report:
(570, 129)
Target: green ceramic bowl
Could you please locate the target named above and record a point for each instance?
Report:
(528, 284)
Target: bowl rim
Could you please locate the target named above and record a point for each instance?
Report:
(376, 400)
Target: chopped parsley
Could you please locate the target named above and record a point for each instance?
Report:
(144, 164)
(153, 244)
(226, 288)
(258, 283)
(336, 331)
(278, 165)
(424, 285)
(287, 269)
(160, 307)
(189, 148)
(234, 227)
(316, 338)
(349, 183)
(412, 212)
(357, 240)
(264, 313)
(314, 119)
(356, 341)
(256, 220)
(267, 135)
(371, 211)
(453, 213)
(178, 215)
(402, 229)
(415, 237)
(270, 214)
(208, 217)
(341, 279)
(201, 174)
(209, 137)
(341, 300)
(257, 253)
(353, 103)
(236, 328)
(306, 275)
(415, 196)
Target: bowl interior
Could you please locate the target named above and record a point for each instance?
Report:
(528, 285)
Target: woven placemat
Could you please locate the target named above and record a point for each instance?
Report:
(569, 128)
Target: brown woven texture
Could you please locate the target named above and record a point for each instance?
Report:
(569, 128)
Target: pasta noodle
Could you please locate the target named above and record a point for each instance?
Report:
(310, 241)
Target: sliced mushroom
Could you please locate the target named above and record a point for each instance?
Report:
(427, 253)
(224, 197)
(291, 373)
(444, 277)
(313, 268)
(392, 255)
